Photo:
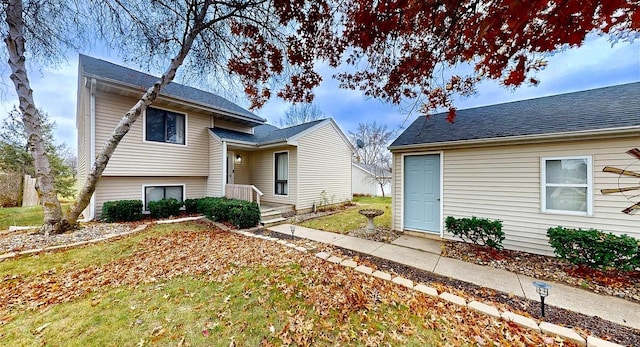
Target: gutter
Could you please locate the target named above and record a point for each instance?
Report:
(92, 141)
(526, 139)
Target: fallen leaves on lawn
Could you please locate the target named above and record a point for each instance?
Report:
(330, 304)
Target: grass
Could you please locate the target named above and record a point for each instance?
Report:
(348, 220)
(78, 258)
(252, 304)
(186, 285)
(244, 310)
(23, 216)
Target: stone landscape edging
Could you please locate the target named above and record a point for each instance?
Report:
(480, 307)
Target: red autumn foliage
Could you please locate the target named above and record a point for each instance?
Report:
(406, 44)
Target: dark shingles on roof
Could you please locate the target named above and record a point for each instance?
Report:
(263, 134)
(103, 69)
(603, 108)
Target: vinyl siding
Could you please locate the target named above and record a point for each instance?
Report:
(362, 182)
(505, 183)
(121, 188)
(214, 180)
(134, 157)
(324, 164)
(263, 174)
(219, 123)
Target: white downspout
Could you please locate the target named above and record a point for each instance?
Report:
(92, 141)
(224, 168)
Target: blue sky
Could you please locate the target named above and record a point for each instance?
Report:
(596, 64)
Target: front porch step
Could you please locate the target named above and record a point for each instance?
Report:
(274, 221)
(270, 213)
(266, 207)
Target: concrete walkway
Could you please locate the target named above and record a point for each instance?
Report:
(424, 254)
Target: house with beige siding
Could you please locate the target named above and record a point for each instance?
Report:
(533, 164)
(191, 143)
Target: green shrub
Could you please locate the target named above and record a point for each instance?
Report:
(240, 213)
(244, 215)
(121, 211)
(164, 208)
(191, 205)
(480, 231)
(595, 248)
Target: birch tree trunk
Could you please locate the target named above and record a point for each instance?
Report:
(123, 127)
(15, 43)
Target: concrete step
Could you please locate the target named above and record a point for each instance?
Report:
(266, 214)
(274, 221)
(280, 208)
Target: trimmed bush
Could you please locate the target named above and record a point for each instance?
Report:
(121, 211)
(244, 215)
(480, 231)
(191, 205)
(595, 248)
(164, 208)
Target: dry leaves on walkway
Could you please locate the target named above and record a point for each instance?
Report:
(323, 303)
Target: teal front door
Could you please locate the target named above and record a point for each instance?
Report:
(422, 193)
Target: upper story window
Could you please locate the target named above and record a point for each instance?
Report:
(165, 126)
(567, 185)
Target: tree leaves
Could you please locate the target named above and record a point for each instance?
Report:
(310, 301)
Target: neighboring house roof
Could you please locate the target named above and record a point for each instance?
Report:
(104, 70)
(267, 134)
(373, 170)
(588, 111)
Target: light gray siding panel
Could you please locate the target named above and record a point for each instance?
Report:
(324, 164)
(135, 157)
(214, 180)
(504, 183)
(121, 188)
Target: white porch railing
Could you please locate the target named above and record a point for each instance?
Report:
(243, 192)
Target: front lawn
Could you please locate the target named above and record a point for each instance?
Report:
(23, 216)
(349, 220)
(187, 284)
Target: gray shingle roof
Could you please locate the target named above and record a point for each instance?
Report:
(265, 133)
(603, 108)
(380, 172)
(103, 69)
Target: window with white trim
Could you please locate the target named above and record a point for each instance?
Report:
(155, 193)
(567, 185)
(282, 173)
(165, 126)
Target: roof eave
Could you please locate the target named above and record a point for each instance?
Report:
(125, 85)
(536, 138)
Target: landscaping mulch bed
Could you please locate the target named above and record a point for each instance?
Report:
(13, 241)
(622, 284)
